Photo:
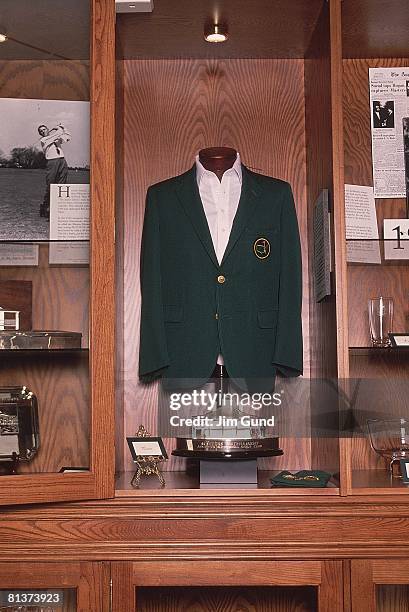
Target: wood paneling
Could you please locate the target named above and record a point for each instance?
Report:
(366, 281)
(375, 28)
(45, 80)
(17, 295)
(257, 29)
(228, 573)
(45, 29)
(171, 110)
(60, 294)
(61, 383)
(392, 598)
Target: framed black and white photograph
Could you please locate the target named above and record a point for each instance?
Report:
(42, 142)
(146, 447)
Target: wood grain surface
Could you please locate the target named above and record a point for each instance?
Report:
(87, 582)
(258, 29)
(379, 389)
(164, 588)
(226, 599)
(61, 383)
(171, 110)
(392, 598)
(102, 259)
(362, 586)
(60, 294)
(375, 28)
(17, 295)
(45, 79)
(365, 281)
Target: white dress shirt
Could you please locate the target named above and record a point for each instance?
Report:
(220, 201)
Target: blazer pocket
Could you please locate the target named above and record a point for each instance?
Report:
(267, 319)
(172, 314)
(262, 231)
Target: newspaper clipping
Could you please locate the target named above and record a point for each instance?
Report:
(389, 102)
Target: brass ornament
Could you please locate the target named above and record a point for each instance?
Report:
(146, 465)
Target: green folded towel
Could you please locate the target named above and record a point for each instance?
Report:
(304, 478)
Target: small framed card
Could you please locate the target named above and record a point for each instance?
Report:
(146, 447)
(399, 340)
(404, 466)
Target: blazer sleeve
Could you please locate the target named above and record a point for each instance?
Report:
(288, 350)
(153, 353)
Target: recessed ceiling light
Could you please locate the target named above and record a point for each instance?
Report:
(3, 38)
(215, 33)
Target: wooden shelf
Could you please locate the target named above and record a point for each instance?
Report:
(364, 351)
(365, 482)
(180, 483)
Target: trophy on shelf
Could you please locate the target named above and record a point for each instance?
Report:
(19, 429)
(390, 439)
(227, 432)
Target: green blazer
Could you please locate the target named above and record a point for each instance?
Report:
(248, 308)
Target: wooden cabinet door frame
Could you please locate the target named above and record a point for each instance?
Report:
(327, 576)
(98, 483)
(91, 580)
(367, 573)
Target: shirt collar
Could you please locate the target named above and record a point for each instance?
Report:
(201, 170)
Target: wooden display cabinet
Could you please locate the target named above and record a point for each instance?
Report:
(290, 92)
(379, 377)
(47, 57)
(273, 94)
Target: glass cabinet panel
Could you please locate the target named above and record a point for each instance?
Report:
(44, 237)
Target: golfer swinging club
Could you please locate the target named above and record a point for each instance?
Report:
(57, 168)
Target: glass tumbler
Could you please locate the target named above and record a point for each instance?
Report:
(380, 320)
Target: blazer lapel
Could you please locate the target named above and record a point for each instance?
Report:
(250, 192)
(189, 196)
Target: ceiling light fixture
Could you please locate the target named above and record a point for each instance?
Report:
(215, 32)
(3, 37)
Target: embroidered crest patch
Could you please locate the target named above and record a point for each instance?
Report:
(261, 248)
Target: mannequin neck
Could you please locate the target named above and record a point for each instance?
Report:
(218, 159)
